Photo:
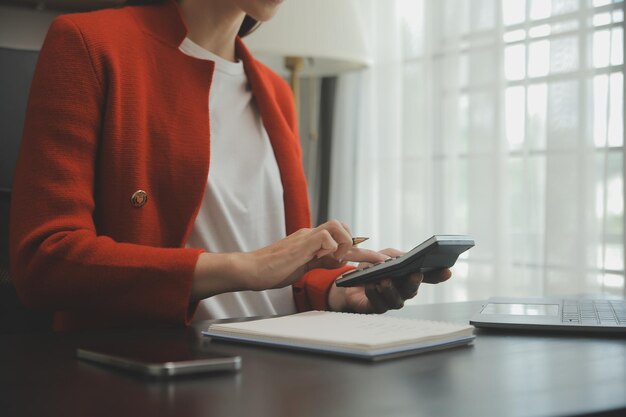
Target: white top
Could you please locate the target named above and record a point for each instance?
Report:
(242, 208)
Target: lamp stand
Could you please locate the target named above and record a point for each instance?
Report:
(295, 64)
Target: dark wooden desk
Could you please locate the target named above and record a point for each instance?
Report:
(503, 374)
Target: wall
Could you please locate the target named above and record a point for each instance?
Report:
(23, 28)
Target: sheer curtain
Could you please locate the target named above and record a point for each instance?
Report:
(501, 119)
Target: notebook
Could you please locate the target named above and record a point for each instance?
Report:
(364, 336)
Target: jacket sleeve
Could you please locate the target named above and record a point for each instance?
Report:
(311, 291)
(59, 262)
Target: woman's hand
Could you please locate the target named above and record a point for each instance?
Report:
(284, 262)
(279, 264)
(385, 294)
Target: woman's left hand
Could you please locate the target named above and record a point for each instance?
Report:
(383, 295)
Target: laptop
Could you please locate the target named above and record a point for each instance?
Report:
(576, 314)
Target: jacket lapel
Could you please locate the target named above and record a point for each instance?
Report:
(275, 103)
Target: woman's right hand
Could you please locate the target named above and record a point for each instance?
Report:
(279, 264)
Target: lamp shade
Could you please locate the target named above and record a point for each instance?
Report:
(329, 34)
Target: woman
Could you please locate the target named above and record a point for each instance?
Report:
(113, 220)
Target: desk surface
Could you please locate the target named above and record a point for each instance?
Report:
(502, 374)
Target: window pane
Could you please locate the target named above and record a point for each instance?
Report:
(602, 19)
(609, 210)
(412, 13)
(564, 6)
(525, 199)
(455, 187)
(563, 217)
(617, 46)
(482, 120)
(563, 121)
(463, 70)
(539, 59)
(564, 54)
(601, 45)
(537, 109)
(540, 9)
(535, 177)
(515, 62)
(415, 139)
(598, 3)
(455, 17)
(483, 15)
(513, 11)
(614, 195)
(600, 104)
(515, 115)
(482, 67)
(413, 196)
(613, 281)
(616, 116)
(453, 141)
(514, 195)
(463, 121)
(600, 202)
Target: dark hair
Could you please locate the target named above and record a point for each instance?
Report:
(248, 25)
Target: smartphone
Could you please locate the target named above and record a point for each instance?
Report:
(157, 361)
(440, 251)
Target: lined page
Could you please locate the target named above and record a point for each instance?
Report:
(364, 331)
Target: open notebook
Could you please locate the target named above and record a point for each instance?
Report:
(365, 336)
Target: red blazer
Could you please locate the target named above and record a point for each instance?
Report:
(114, 108)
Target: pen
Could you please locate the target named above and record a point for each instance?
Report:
(358, 239)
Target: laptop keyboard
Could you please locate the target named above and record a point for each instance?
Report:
(591, 312)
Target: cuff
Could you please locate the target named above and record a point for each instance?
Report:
(311, 291)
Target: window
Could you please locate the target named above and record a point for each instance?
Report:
(509, 128)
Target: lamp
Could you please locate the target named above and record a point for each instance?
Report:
(314, 38)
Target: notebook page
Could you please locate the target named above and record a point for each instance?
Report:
(346, 329)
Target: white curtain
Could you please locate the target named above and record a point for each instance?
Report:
(501, 119)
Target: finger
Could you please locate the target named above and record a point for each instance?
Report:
(392, 253)
(390, 294)
(355, 254)
(344, 246)
(324, 242)
(375, 299)
(337, 230)
(408, 286)
(340, 234)
(437, 276)
(326, 262)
